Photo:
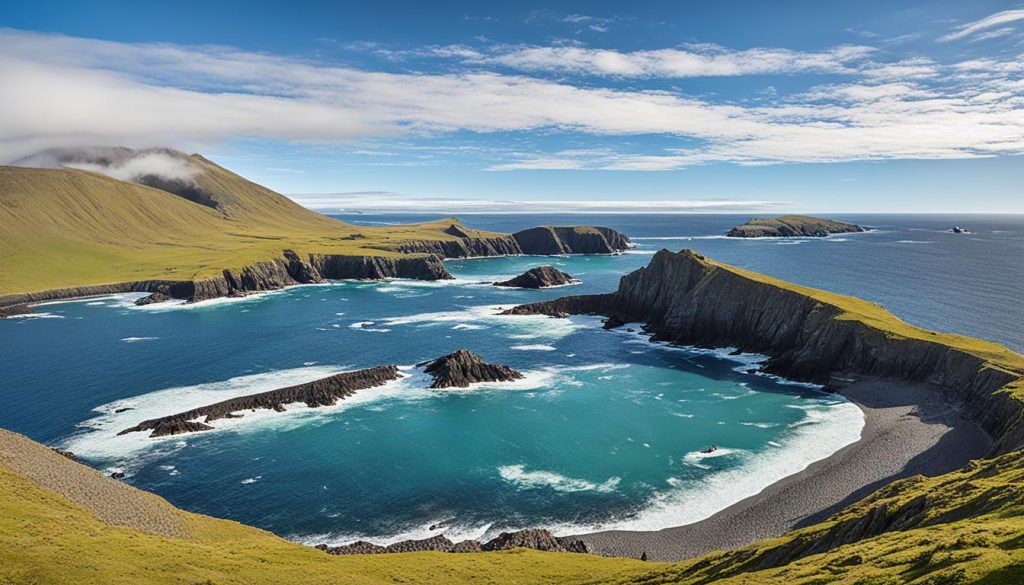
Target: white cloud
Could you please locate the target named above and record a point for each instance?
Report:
(694, 61)
(380, 202)
(997, 19)
(70, 91)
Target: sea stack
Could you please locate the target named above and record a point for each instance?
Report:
(792, 226)
(539, 277)
(461, 368)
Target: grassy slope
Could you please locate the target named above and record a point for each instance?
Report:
(795, 221)
(65, 227)
(971, 530)
(47, 539)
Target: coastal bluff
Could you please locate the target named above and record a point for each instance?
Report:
(792, 226)
(808, 335)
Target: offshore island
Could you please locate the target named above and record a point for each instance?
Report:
(932, 489)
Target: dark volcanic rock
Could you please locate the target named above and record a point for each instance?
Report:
(536, 539)
(117, 475)
(790, 226)
(555, 240)
(436, 543)
(360, 547)
(157, 297)
(540, 277)
(323, 392)
(67, 454)
(467, 546)
(463, 367)
(686, 299)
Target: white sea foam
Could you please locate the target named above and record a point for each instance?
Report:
(31, 316)
(138, 339)
(533, 347)
(537, 326)
(252, 479)
(913, 242)
(523, 479)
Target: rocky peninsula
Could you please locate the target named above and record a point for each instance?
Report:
(322, 392)
(792, 226)
(539, 277)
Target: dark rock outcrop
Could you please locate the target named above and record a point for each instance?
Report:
(536, 539)
(463, 367)
(540, 277)
(790, 226)
(323, 392)
(687, 299)
(555, 240)
(532, 538)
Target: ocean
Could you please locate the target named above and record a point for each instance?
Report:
(605, 431)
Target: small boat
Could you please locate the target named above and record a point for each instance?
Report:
(710, 449)
(959, 230)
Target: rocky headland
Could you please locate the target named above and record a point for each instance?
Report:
(808, 335)
(322, 392)
(537, 241)
(461, 368)
(539, 277)
(792, 226)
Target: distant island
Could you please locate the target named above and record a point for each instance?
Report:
(792, 226)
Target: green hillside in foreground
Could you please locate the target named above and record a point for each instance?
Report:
(68, 227)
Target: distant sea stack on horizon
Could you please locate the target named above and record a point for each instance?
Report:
(793, 226)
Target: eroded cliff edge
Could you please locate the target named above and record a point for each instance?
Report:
(808, 334)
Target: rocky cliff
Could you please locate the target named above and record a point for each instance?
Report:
(540, 277)
(461, 368)
(541, 241)
(554, 240)
(789, 226)
(808, 334)
(323, 392)
(287, 270)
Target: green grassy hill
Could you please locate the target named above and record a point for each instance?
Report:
(67, 227)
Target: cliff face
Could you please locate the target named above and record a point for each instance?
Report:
(287, 270)
(540, 277)
(789, 226)
(322, 392)
(553, 240)
(808, 335)
(541, 241)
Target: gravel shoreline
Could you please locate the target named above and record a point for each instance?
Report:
(909, 430)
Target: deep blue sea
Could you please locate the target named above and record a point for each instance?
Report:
(605, 431)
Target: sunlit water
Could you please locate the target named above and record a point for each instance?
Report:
(605, 431)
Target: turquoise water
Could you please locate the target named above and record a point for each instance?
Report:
(605, 431)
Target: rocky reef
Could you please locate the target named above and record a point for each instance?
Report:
(539, 277)
(790, 226)
(808, 334)
(532, 538)
(461, 368)
(322, 392)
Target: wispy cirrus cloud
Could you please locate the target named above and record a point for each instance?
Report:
(70, 91)
(984, 24)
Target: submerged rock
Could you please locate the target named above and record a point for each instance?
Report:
(463, 367)
(540, 277)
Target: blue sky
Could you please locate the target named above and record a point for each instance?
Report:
(682, 106)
